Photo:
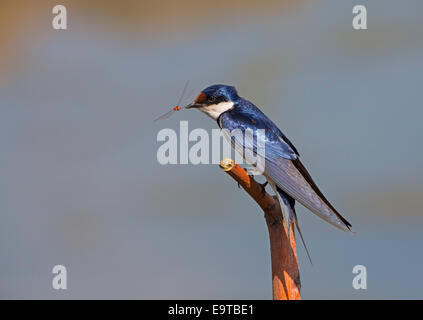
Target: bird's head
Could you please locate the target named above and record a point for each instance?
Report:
(215, 100)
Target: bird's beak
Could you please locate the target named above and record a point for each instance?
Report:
(193, 105)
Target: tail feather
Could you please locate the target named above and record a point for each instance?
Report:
(288, 204)
(302, 238)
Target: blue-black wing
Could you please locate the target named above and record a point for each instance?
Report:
(251, 119)
(282, 163)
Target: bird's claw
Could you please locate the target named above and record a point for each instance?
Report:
(263, 188)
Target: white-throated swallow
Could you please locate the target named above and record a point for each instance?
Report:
(282, 166)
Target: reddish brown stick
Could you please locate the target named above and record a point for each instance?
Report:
(285, 272)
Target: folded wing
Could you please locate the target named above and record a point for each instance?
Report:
(282, 164)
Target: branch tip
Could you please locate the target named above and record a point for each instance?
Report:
(227, 164)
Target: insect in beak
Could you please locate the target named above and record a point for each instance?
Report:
(177, 108)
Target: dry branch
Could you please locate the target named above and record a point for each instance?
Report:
(285, 272)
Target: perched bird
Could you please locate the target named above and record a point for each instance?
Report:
(282, 166)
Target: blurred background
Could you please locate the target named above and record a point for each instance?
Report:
(81, 186)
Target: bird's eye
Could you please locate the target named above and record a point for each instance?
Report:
(212, 99)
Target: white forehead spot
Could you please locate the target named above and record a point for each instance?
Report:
(215, 110)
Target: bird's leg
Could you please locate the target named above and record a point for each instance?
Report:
(263, 185)
(263, 188)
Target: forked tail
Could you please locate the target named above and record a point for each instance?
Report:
(288, 210)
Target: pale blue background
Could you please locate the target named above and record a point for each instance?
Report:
(80, 184)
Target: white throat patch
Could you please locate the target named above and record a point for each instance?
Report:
(215, 110)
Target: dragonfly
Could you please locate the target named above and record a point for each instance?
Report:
(177, 108)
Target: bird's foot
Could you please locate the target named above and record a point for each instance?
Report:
(263, 188)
